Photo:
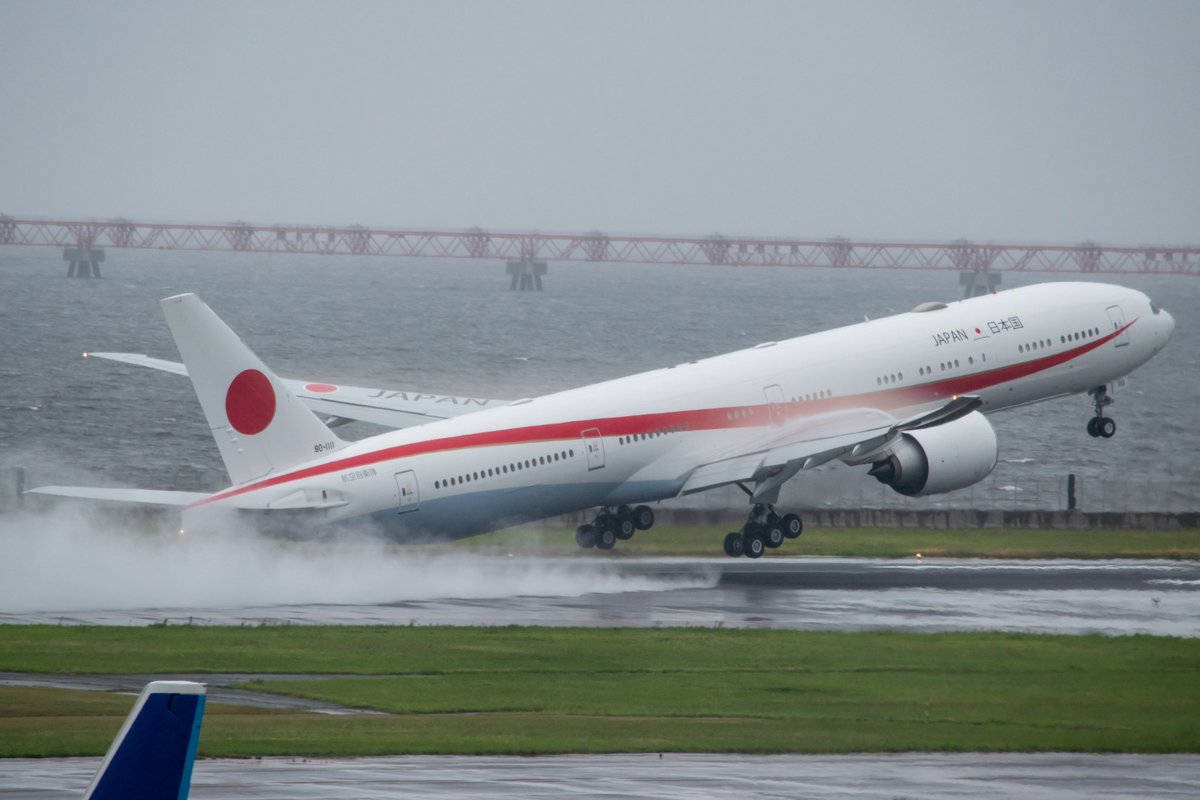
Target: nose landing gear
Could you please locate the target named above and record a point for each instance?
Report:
(764, 529)
(1100, 425)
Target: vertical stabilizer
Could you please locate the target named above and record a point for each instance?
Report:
(152, 756)
(260, 426)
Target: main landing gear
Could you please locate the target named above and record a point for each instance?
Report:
(612, 524)
(1101, 425)
(763, 529)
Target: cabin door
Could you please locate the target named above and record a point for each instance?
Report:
(775, 403)
(593, 445)
(408, 495)
(1118, 321)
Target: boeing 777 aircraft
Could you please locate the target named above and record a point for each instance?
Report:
(903, 396)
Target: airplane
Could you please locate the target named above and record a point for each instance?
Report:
(152, 755)
(905, 396)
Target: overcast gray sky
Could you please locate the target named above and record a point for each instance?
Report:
(1046, 121)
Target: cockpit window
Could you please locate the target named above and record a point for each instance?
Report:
(1154, 307)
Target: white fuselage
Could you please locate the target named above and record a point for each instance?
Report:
(637, 439)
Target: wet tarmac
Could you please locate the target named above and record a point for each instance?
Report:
(1053, 776)
(800, 593)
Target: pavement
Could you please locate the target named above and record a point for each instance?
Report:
(1049, 776)
(800, 593)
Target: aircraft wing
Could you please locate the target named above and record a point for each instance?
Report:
(852, 434)
(339, 404)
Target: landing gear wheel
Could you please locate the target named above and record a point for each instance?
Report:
(643, 518)
(606, 537)
(755, 546)
(792, 525)
(585, 536)
(623, 527)
(772, 534)
(1101, 425)
(735, 545)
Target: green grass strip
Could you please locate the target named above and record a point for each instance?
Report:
(544, 690)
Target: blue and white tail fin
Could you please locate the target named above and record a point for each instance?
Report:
(259, 425)
(152, 756)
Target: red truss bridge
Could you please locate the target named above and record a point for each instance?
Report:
(527, 252)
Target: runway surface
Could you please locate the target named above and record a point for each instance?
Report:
(1052, 776)
(1107, 597)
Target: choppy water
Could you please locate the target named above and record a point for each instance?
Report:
(455, 327)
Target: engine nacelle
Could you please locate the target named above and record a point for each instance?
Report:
(940, 459)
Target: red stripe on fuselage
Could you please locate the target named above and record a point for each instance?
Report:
(692, 420)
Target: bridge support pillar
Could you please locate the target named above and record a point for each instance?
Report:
(84, 262)
(526, 274)
(976, 283)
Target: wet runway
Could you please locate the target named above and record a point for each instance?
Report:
(1053, 776)
(1108, 597)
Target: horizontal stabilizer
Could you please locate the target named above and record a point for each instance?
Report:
(151, 758)
(152, 497)
(174, 367)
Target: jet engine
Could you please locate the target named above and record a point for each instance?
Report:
(939, 459)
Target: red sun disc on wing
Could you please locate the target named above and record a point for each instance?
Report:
(320, 388)
(250, 402)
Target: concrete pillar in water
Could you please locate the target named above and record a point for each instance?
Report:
(21, 484)
(83, 262)
(526, 275)
(976, 283)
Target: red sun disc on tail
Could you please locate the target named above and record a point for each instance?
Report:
(250, 402)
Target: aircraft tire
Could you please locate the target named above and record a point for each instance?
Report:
(792, 525)
(623, 527)
(643, 518)
(1106, 427)
(585, 536)
(755, 545)
(773, 535)
(735, 545)
(606, 537)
